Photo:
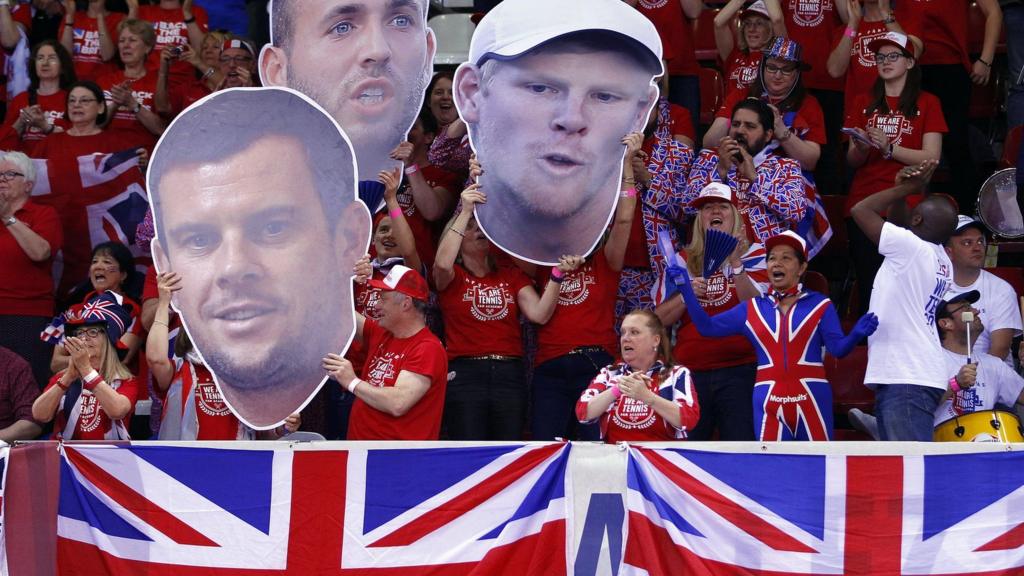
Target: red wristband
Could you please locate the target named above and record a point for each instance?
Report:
(954, 385)
(395, 213)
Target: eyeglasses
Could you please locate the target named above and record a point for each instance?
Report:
(73, 101)
(783, 70)
(236, 60)
(967, 242)
(89, 332)
(890, 57)
(47, 59)
(10, 175)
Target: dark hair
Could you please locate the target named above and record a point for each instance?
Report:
(908, 96)
(132, 285)
(91, 86)
(765, 115)
(426, 113)
(428, 121)
(792, 102)
(67, 66)
(282, 20)
(215, 131)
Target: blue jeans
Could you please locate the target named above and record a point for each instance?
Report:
(906, 411)
(685, 91)
(557, 385)
(1013, 19)
(726, 399)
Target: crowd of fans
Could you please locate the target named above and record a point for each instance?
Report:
(630, 342)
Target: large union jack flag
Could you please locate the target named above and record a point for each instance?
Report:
(181, 511)
(695, 512)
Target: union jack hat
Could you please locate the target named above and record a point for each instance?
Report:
(404, 280)
(787, 238)
(786, 49)
(238, 43)
(106, 309)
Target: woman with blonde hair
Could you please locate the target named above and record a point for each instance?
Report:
(645, 397)
(95, 395)
(723, 369)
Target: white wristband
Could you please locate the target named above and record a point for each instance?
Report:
(92, 374)
(411, 169)
(352, 385)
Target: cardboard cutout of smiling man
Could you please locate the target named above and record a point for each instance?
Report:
(254, 199)
(548, 93)
(367, 62)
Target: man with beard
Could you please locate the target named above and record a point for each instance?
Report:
(237, 63)
(769, 190)
(549, 93)
(367, 62)
(257, 212)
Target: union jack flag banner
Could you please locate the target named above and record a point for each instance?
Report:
(181, 511)
(704, 512)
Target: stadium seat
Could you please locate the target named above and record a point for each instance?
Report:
(1011, 147)
(711, 95)
(1012, 274)
(704, 36)
(453, 32)
(846, 375)
(839, 245)
(816, 281)
(986, 100)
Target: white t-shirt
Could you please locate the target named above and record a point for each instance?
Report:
(910, 284)
(998, 307)
(995, 384)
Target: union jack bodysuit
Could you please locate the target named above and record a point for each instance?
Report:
(792, 397)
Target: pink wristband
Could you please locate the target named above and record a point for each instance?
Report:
(395, 213)
(615, 391)
(556, 272)
(850, 33)
(954, 385)
(630, 193)
(411, 169)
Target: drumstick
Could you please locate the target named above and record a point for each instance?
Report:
(968, 318)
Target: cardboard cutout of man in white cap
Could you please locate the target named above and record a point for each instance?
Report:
(549, 92)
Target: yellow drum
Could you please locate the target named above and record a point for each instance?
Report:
(983, 426)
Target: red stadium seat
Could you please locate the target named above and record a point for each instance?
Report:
(711, 95)
(1012, 274)
(1011, 147)
(839, 245)
(704, 36)
(846, 375)
(816, 281)
(986, 100)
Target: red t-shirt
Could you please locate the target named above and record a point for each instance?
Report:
(585, 314)
(215, 419)
(171, 30)
(481, 315)
(877, 173)
(53, 106)
(365, 298)
(422, 229)
(186, 92)
(700, 353)
(863, 72)
(809, 121)
(741, 69)
(89, 64)
(421, 354)
(816, 26)
(944, 30)
(125, 124)
(93, 422)
(26, 287)
(676, 33)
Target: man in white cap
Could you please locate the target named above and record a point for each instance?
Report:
(367, 62)
(407, 368)
(998, 300)
(550, 91)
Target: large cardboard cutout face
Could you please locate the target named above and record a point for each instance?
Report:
(549, 93)
(367, 62)
(254, 200)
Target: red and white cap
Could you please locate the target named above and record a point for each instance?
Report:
(404, 280)
(787, 238)
(515, 27)
(714, 192)
(896, 39)
(755, 9)
(238, 43)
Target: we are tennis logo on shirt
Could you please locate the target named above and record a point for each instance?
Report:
(576, 288)
(895, 126)
(488, 302)
(809, 13)
(89, 416)
(210, 400)
(383, 368)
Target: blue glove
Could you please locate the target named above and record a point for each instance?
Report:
(865, 326)
(678, 275)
